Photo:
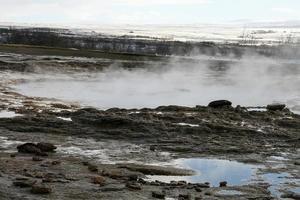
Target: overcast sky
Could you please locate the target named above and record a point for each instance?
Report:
(147, 11)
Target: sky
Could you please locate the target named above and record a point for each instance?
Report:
(147, 11)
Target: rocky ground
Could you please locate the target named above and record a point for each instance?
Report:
(38, 170)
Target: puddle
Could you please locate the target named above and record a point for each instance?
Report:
(213, 171)
(257, 109)
(8, 114)
(190, 125)
(280, 181)
(65, 119)
(229, 193)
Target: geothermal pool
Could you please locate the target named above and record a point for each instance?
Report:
(248, 82)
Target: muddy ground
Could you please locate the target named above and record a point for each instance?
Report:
(134, 139)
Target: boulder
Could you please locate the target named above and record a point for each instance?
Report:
(29, 148)
(219, 104)
(276, 107)
(223, 184)
(39, 149)
(46, 147)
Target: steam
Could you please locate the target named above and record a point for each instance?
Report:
(250, 81)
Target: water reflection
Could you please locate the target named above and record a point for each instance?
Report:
(279, 181)
(213, 171)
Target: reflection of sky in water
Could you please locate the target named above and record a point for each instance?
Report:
(278, 180)
(213, 171)
(229, 192)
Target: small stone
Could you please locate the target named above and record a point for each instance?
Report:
(198, 189)
(223, 184)
(219, 104)
(276, 107)
(134, 186)
(99, 180)
(36, 158)
(158, 195)
(40, 189)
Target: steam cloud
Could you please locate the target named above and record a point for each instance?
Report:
(250, 81)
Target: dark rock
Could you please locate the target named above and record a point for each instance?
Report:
(223, 184)
(46, 147)
(198, 189)
(276, 107)
(40, 189)
(158, 195)
(297, 163)
(219, 104)
(134, 186)
(29, 148)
